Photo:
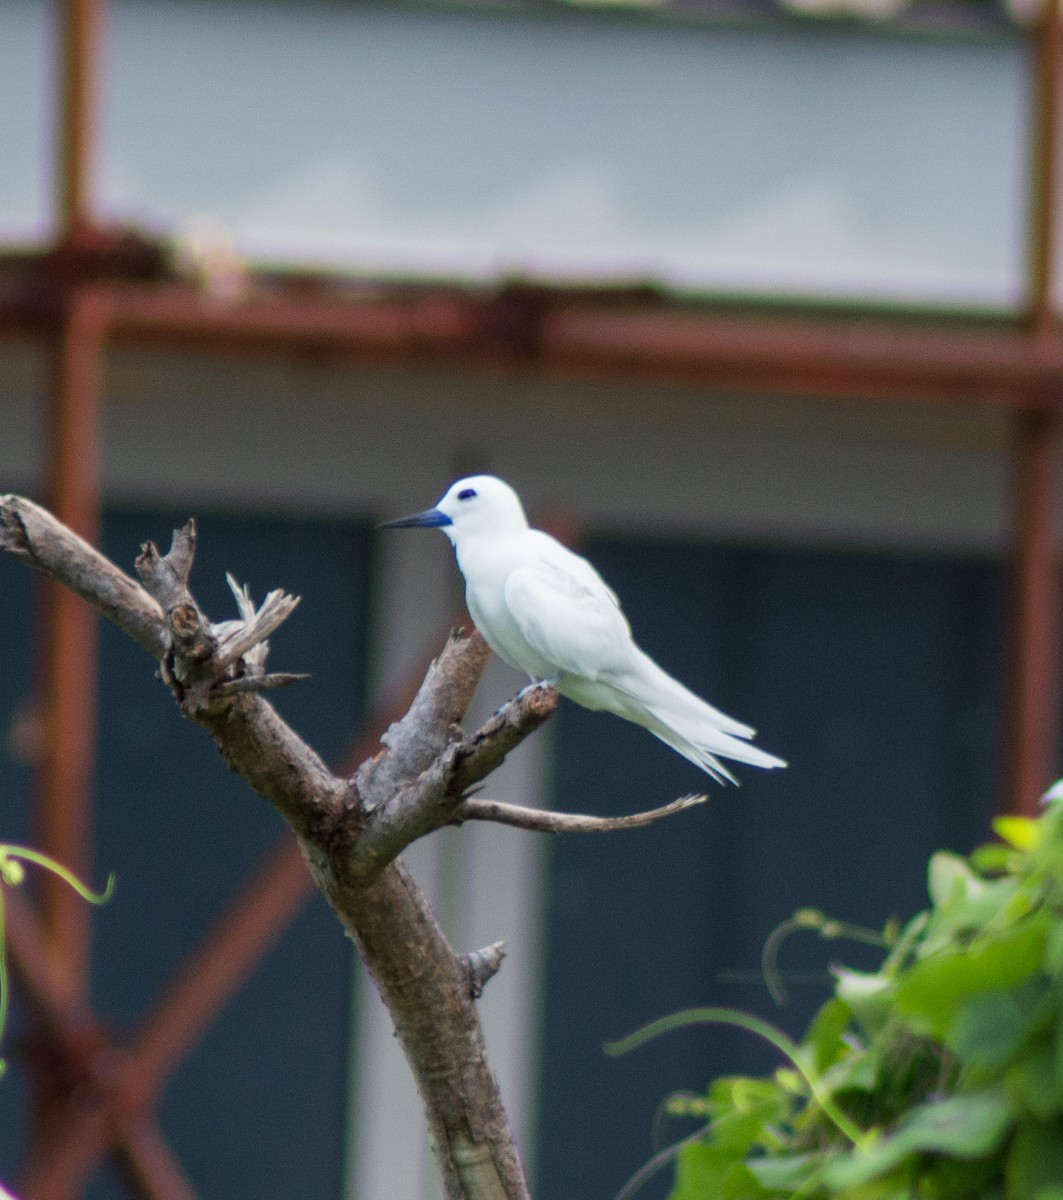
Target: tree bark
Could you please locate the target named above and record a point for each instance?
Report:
(426, 986)
(350, 830)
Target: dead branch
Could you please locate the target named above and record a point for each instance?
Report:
(482, 965)
(427, 988)
(431, 723)
(430, 801)
(34, 535)
(540, 820)
(350, 830)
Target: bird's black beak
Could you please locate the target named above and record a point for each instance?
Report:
(429, 519)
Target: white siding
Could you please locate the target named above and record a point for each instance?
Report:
(802, 157)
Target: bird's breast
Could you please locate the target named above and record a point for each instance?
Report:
(488, 609)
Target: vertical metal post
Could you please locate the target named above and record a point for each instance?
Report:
(80, 38)
(67, 655)
(67, 627)
(67, 630)
(1033, 706)
(1033, 710)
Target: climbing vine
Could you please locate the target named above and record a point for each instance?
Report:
(937, 1077)
(13, 874)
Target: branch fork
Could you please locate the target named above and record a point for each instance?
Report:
(351, 830)
(207, 663)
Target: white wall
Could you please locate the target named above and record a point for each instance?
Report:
(794, 157)
(316, 438)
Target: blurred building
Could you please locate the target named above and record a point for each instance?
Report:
(756, 306)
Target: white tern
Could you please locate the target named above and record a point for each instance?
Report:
(547, 612)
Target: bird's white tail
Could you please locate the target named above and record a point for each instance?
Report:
(692, 727)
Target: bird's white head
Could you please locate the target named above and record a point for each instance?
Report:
(480, 506)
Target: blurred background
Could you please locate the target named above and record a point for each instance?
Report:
(753, 301)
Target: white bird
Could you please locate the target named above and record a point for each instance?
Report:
(547, 612)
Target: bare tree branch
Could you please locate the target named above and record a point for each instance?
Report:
(432, 722)
(261, 683)
(253, 738)
(540, 820)
(350, 830)
(34, 535)
(241, 637)
(477, 756)
(427, 988)
(482, 965)
(429, 802)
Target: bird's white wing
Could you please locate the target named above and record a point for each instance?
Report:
(567, 614)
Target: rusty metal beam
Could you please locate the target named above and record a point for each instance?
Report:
(67, 632)
(57, 1171)
(854, 357)
(151, 1167)
(62, 1057)
(1032, 709)
(571, 333)
(1046, 52)
(46, 993)
(67, 644)
(67, 651)
(233, 947)
(80, 40)
(994, 363)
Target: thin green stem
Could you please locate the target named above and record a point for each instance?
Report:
(23, 853)
(3, 975)
(661, 1159)
(827, 928)
(11, 873)
(762, 1029)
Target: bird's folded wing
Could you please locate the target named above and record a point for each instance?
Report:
(570, 618)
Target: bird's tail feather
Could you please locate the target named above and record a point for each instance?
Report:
(692, 727)
(706, 749)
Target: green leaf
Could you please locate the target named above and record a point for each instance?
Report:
(1034, 1168)
(932, 991)
(740, 1184)
(709, 1173)
(991, 1027)
(859, 1073)
(880, 1189)
(1032, 1081)
(950, 879)
(999, 903)
(904, 946)
(868, 997)
(969, 1125)
(785, 1172)
(1057, 1065)
(1020, 832)
(741, 1109)
(993, 858)
(825, 1036)
(1054, 950)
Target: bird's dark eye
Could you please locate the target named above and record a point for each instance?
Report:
(466, 493)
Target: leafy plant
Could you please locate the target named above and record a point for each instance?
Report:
(937, 1077)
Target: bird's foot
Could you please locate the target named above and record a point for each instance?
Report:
(541, 684)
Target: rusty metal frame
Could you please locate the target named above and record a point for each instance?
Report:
(99, 287)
